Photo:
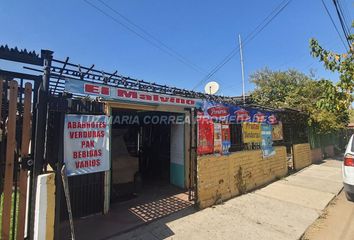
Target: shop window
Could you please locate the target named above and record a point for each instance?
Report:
(236, 137)
(237, 142)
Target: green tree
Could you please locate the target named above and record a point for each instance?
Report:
(338, 97)
(293, 89)
(351, 115)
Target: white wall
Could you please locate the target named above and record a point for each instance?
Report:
(45, 207)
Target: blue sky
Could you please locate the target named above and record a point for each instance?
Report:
(203, 31)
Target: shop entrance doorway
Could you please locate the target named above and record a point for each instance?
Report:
(147, 172)
(147, 152)
(155, 152)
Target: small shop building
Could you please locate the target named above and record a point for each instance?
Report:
(112, 152)
(159, 149)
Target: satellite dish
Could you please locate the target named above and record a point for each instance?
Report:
(211, 88)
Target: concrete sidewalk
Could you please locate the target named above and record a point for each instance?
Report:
(281, 210)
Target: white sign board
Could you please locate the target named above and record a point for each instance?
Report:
(86, 144)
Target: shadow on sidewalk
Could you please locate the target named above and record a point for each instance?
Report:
(165, 203)
(154, 230)
(338, 157)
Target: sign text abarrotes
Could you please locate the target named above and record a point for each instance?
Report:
(86, 145)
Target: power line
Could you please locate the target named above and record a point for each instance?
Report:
(248, 38)
(347, 24)
(335, 26)
(342, 22)
(156, 43)
(346, 27)
(151, 36)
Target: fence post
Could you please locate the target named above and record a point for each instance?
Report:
(26, 136)
(2, 131)
(10, 156)
(58, 180)
(1, 91)
(40, 133)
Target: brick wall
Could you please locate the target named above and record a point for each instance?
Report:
(223, 177)
(302, 155)
(316, 155)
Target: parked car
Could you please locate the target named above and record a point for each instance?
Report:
(348, 169)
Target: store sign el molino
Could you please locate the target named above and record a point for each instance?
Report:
(116, 93)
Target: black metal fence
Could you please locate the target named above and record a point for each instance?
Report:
(86, 191)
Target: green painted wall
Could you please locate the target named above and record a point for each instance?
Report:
(177, 175)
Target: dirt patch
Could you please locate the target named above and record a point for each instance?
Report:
(335, 223)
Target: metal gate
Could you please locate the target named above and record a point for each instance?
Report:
(23, 116)
(86, 191)
(15, 116)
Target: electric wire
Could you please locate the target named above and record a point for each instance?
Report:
(152, 36)
(342, 23)
(248, 38)
(347, 24)
(156, 43)
(335, 26)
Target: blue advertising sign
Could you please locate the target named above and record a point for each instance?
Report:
(236, 114)
(267, 142)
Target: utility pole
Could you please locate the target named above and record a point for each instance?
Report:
(242, 71)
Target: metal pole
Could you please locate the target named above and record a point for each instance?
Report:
(40, 134)
(242, 71)
(58, 178)
(68, 203)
